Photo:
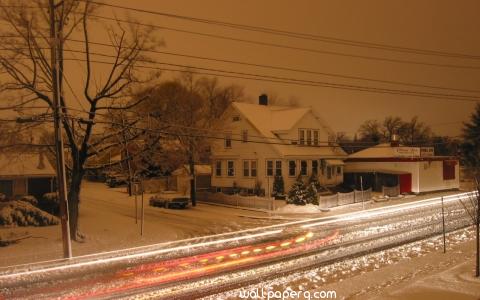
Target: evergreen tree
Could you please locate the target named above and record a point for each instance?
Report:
(470, 148)
(298, 193)
(312, 193)
(278, 186)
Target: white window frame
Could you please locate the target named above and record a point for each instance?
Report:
(232, 168)
(228, 141)
(294, 168)
(316, 137)
(301, 137)
(276, 168)
(302, 169)
(266, 168)
(244, 136)
(217, 164)
(253, 167)
(246, 163)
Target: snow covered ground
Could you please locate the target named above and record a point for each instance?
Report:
(107, 218)
(418, 270)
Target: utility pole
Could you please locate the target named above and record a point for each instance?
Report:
(443, 229)
(60, 156)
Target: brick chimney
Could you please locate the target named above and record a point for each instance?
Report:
(263, 99)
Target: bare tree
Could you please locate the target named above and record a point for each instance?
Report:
(106, 86)
(472, 207)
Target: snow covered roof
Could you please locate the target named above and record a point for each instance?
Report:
(270, 120)
(25, 164)
(379, 151)
(199, 170)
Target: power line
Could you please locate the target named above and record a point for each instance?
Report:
(274, 67)
(216, 132)
(294, 81)
(299, 35)
(282, 46)
(290, 69)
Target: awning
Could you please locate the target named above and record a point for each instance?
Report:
(378, 171)
(334, 162)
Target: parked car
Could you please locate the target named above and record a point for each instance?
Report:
(169, 200)
(114, 180)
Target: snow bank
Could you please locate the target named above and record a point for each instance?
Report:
(21, 213)
(298, 209)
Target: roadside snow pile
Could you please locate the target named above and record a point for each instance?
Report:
(298, 209)
(20, 213)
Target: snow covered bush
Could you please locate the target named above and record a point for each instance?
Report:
(29, 199)
(312, 193)
(298, 193)
(2, 197)
(20, 213)
(49, 203)
(278, 187)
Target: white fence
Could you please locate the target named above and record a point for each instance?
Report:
(236, 200)
(344, 198)
(391, 191)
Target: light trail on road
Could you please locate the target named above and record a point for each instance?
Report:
(196, 260)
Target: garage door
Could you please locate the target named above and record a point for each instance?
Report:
(405, 183)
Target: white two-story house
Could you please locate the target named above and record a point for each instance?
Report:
(261, 141)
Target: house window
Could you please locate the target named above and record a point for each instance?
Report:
(315, 167)
(301, 137)
(253, 168)
(218, 168)
(246, 168)
(244, 136)
(329, 172)
(236, 118)
(449, 169)
(309, 137)
(278, 168)
(230, 168)
(303, 167)
(315, 137)
(339, 171)
(269, 167)
(292, 168)
(228, 140)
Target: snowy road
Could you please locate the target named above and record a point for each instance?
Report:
(202, 266)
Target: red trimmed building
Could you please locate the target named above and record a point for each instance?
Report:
(413, 169)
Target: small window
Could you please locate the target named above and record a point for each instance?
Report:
(228, 140)
(315, 167)
(329, 172)
(309, 137)
(301, 137)
(230, 168)
(292, 168)
(218, 168)
(253, 168)
(269, 167)
(278, 168)
(244, 136)
(236, 118)
(339, 171)
(449, 169)
(303, 167)
(246, 168)
(315, 137)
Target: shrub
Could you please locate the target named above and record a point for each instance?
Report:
(298, 193)
(278, 186)
(50, 203)
(20, 213)
(29, 199)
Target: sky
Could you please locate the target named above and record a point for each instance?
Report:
(449, 26)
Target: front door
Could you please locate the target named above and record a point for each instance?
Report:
(405, 183)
